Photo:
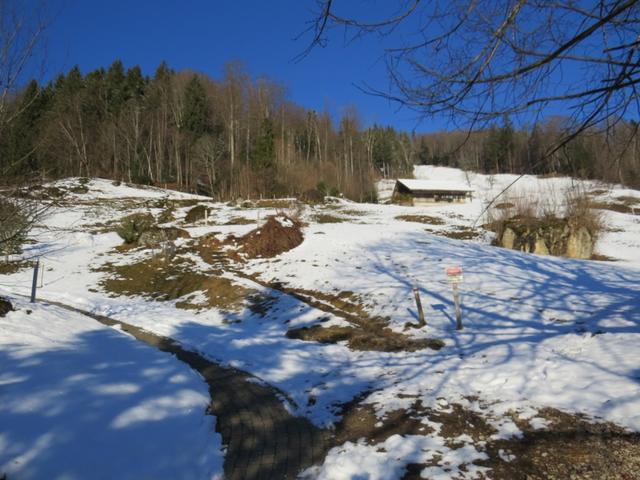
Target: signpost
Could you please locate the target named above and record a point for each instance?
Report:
(455, 277)
(416, 294)
(34, 285)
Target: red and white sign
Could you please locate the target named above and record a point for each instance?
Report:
(454, 274)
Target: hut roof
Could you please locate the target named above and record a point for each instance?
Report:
(417, 186)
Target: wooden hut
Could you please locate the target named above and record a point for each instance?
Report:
(429, 192)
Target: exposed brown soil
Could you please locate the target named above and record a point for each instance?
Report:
(5, 307)
(366, 333)
(279, 234)
(360, 421)
(368, 339)
(569, 448)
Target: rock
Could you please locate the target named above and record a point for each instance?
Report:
(580, 244)
(548, 237)
(508, 238)
(540, 247)
(5, 307)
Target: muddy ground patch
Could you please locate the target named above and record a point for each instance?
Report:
(568, 447)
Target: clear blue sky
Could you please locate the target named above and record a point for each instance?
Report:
(204, 35)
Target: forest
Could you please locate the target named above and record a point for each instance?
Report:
(241, 137)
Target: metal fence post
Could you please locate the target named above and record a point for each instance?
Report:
(34, 285)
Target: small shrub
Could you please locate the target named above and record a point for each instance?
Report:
(14, 225)
(313, 196)
(196, 213)
(133, 226)
(579, 214)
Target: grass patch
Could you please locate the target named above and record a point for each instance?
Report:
(620, 207)
(421, 219)
(158, 279)
(504, 205)
(614, 207)
(366, 339)
(275, 203)
(15, 266)
(355, 213)
(367, 333)
(458, 233)
(239, 221)
(627, 200)
(328, 218)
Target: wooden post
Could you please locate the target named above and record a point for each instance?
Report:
(456, 300)
(34, 284)
(416, 294)
(41, 276)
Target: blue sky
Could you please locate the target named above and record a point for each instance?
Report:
(204, 35)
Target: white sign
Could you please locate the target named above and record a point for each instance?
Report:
(454, 274)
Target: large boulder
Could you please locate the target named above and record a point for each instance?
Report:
(540, 247)
(508, 238)
(580, 244)
(547, 237)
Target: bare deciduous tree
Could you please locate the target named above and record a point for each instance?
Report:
(479, 61)
(22, 27)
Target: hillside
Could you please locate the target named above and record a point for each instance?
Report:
(548, 348)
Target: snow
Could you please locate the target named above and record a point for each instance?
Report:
(81, 400)
(389, 460)
(539, 331)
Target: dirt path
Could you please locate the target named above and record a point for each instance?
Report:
(263, 440)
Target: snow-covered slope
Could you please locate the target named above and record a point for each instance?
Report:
(539, 331)
(620, 241)
(80, 400)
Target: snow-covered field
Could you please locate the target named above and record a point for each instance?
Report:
(539, 331)
(80, 400)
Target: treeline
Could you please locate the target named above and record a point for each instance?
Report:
(614, 157)
(232, 137)
(240, 137)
